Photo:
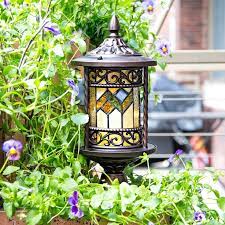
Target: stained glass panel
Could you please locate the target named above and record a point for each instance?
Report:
(136, 98)
(115, 119)
(102, 100)
(115, 107)
(121, 95)
(92, 107)
(127, 102)
(100, 92)
(107, 107)
(128, 118)
(108, 102)
(102, 121)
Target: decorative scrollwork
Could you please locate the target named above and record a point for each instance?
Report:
(110, 139)
(114, 46)
(115, 76)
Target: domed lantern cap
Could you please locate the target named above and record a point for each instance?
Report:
(114, 52)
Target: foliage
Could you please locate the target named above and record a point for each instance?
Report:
(38, 41)
(36, 62)
(173, 197)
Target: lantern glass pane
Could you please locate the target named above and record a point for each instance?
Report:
(115, 119)
(102, 119)
(92, 106)
(128, 101)
(136, 96)
(128, 117)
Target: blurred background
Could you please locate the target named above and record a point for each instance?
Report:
(191, 110)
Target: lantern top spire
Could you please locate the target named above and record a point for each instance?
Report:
(114, 52)
(114, 26)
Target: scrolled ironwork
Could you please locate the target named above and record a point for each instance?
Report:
(112, 76)
(113, 139)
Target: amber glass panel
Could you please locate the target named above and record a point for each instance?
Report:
(92, 106)
(128, 118)
(136, 98)
(100, 92)
(127, 102)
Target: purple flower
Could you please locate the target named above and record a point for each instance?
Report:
(13, 149)
(5, 3)
(149, 6)
(75, 90)
(179, 152)
(163, 47)
(176, 155)
(199, 216)
(73, 201)
(52, 27)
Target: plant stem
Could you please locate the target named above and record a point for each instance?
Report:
(35, 35)
(4, 165)
(31, 41)
(182, 161)
(78, 151)
(58, 213)
(149, 180)
(56, 99)
(182, 218)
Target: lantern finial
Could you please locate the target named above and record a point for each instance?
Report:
(114, 26)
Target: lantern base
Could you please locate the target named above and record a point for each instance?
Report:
(114, 161)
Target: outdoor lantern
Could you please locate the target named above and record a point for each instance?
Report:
(114, 77)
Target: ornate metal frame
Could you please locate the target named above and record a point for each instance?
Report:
(132, 79)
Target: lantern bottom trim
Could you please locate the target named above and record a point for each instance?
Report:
(115, 138)
(114, 161)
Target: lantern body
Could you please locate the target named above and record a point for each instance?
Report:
(114, 107)
(115, 75)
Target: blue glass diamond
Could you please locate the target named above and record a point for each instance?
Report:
(121, 95)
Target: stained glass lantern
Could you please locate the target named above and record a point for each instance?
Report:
(114, 77)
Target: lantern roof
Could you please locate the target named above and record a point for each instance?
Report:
(114, 52)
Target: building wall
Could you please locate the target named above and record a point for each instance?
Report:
(194, 24)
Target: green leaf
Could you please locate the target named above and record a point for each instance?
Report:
(81, 44)
(80, 118)
(96, 200)
(1, 61)
(162, 65)
(124, 189)
(69, 185)
(76, 168)
(9, 71)
(63, 122)
(107, 205)
(46, 182)
(33, 217)
(109, 198)
(50, 72)
(221, 203)
(213, 222)
(10, 169)
(152, 202)
(54, 123)
(58, 50)
(133, 44)
(8, 207)
(155, 188)
(30, 84)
